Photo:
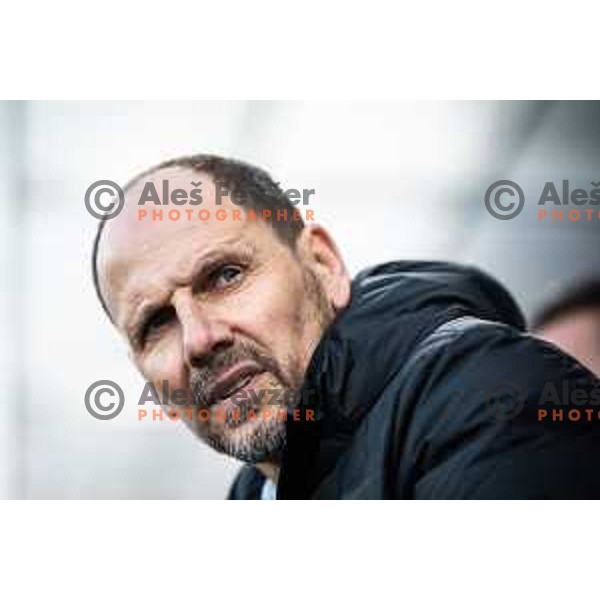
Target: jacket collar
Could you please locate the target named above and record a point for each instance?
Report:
(393, 307)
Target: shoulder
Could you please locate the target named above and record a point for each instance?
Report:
(478, 426)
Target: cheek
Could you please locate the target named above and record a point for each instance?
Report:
(165, 363)
(273, 311)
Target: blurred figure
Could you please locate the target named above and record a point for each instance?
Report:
(572, 322)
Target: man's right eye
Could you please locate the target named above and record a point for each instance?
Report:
(155, 324)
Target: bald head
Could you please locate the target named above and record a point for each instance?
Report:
(258, 188)
(220, 305)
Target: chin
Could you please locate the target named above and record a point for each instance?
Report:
(252, 441)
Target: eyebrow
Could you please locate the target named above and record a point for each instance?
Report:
(202, 267)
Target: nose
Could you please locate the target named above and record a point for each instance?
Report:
(201, 333)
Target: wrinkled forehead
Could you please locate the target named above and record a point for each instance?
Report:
(141, 217)
(139, 254)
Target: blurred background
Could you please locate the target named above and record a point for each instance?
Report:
(392, 179)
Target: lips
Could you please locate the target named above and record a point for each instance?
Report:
(233, 380)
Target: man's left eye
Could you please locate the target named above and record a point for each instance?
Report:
(227, 275)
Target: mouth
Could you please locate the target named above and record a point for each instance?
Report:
(234, 380)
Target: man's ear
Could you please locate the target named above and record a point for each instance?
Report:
(320, 254)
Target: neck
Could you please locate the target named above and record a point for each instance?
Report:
(270, 470)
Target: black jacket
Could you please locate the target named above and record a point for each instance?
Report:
(428, 386)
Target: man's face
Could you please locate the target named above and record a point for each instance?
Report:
(220, 309)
